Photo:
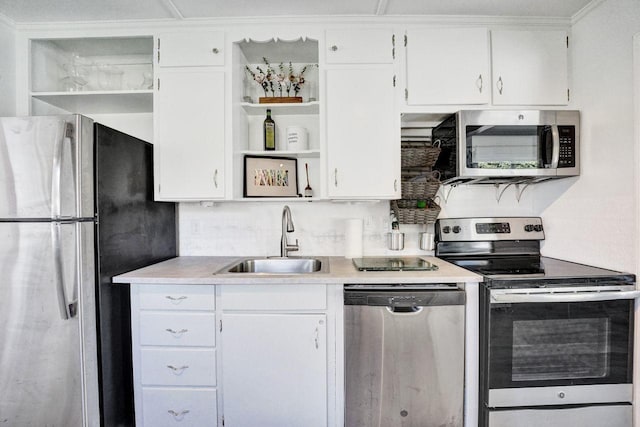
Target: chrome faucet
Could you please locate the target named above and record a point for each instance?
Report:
(287, 227)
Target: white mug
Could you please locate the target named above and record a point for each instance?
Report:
(297, 138)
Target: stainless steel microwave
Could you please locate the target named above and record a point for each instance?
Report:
(490, 146)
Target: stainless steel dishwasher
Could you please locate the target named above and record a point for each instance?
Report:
(404, 355)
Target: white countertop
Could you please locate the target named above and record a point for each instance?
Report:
(201, 270)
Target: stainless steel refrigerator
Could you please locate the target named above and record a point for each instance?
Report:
(76, 208)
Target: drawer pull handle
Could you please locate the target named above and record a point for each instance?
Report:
(176, 300)
(317, 338)
(178, 416)
(179, 370)
(177, 334)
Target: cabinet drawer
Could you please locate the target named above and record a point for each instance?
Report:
(274, 297)
(172, 367)
(359, 46)
(164, 297)
(194, 48)
(179, 407)
(180, 329)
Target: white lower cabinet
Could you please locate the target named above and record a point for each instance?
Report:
(274, 356)
(275, 370)
(250, 355)
(174, 355)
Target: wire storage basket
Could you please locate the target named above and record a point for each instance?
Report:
(419, 157)
(420, 189)
(408, 212)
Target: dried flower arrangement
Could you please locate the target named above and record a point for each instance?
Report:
(276, 84)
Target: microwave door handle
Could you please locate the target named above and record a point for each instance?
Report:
(555, 156)
(515, 298)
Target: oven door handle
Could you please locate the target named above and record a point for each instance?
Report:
(515, 298)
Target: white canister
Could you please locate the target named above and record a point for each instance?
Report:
(297, 138)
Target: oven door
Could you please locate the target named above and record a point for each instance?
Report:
(565, 346)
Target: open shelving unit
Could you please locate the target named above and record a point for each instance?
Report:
(92, 75)
(249, 115)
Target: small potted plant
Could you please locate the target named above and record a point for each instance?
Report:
(276, 84)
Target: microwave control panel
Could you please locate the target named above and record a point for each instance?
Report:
(567, 158)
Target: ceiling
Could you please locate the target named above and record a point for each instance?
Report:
(36, 11)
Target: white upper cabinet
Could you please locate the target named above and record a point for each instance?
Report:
(529, 67)
(201, 48)
(189, 117)
(448, 66)
(189, 123)
(372, 46)
(363, 133)
(363, 125)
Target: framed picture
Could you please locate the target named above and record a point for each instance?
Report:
(270, 176)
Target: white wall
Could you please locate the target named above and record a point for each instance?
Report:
(7, 68)
(591, 219)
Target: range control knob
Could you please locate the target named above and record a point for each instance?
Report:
(528, 228)
(446, 229)
(537, 227)
(456, 229)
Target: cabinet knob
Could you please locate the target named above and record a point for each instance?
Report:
(215, 50)
(334, 48)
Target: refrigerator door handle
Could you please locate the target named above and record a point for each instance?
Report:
(67, 310)
(56, 170)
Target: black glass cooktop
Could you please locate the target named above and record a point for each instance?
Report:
(532, 267)
(393, 264)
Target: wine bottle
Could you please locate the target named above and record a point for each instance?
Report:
(269, 132)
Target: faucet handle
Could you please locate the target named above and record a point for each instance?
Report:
(294, 247)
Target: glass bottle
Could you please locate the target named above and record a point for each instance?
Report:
(269, 132)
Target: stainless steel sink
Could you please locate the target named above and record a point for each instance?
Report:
(280, 266)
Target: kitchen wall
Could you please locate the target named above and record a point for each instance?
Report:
(7, 68)
(592, 219)
(254, 228)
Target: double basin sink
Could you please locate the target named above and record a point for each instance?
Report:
(277, 265)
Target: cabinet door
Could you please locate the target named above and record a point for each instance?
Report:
(371, 46)
(189, 140)
(448, 66)
(274, 370)
(529, 67)
(363, 133)
(196, 48)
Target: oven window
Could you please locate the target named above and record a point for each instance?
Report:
(555, 349)
(508, 147)
(547, 344)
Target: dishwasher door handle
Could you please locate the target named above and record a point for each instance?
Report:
(405, 309)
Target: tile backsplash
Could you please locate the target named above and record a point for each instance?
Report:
(254, 228)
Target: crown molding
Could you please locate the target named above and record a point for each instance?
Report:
(585, 10)
(7, 21)
(330, 21)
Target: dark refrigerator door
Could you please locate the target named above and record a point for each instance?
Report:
(43, 345)
(133, 231)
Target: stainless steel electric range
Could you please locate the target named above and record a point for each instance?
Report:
(556, 337)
